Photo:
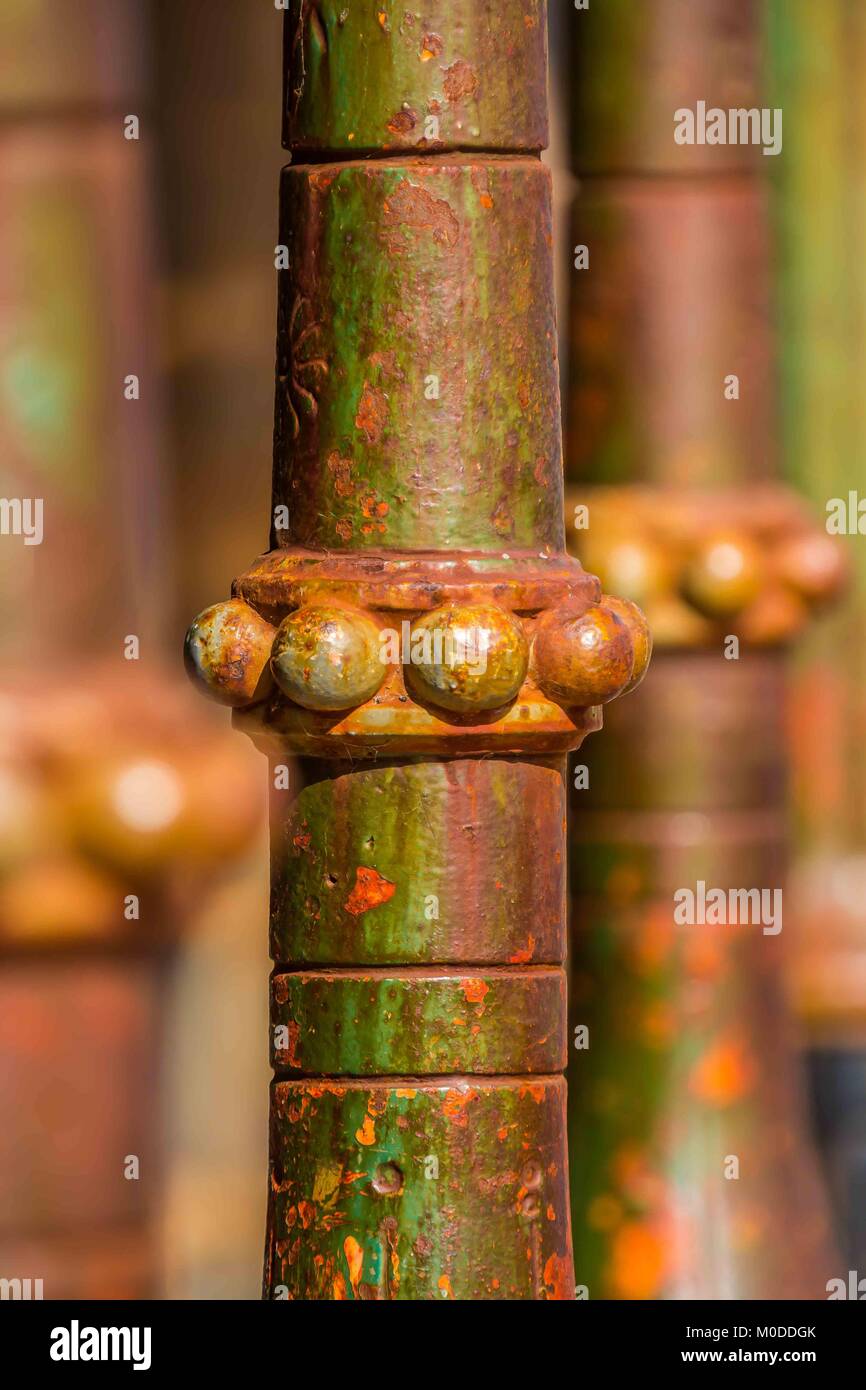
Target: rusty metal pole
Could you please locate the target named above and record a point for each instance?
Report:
(692, 1170)
(435, 655)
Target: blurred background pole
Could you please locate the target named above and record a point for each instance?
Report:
(119, 815)
(77, 1081)
(818, 54)
(692, 1169)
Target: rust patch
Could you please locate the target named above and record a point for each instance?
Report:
(404, 121)
(431, 47)
(557, 1277)
(292, 1048)
(341, 469)
(412, 207)
(461, 82)
(366, 1135)
(355, 1260)
(523, 956)
(370, 890)
(372, 415)
(475, 990)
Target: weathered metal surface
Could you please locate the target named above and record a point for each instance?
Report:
(362, 78)
(419, 1022)
(446, 1189)
(691, 1166)
(431, 649)
(448, 886)
(408, 278)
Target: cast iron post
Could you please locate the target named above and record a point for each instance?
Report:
(435, 655)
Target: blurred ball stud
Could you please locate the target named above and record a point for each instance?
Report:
(590, 658)
(328, 657)
(724, 576)
(467, 658)
(226, 653)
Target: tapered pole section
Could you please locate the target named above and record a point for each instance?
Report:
(435, 654)
(693, 1174)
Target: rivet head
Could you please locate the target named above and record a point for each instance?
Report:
(641, 636)
(467, 658)
(226, 653)
(328, 657)
(583, 659)
(724, 576)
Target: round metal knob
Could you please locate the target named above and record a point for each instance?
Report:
(328, 657)
(226, 653)
(467, 658)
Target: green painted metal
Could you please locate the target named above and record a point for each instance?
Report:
(425, 1190)
(428, 1023)
(442, 847)
(418, 299)
(363, 77)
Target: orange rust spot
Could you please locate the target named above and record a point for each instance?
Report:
(307, 1213)
(406, 1095)
(344, 530)
(475, 991)
(486, 200)
(551, 1214)
(355, 1260)
(431, 47)
(341, 468)
(302, 841)
(558, 1276)
(445, 1286)
(536, 1092)
(372, 414)
(403, 122)
(352, 1177)
(414, 208)
(370, 890)
(723, 1075)
(339, 1287)
(366, 1135)
(460, 82)
(637, 1262)
(292, 1049)
(525, 954)
(495, 1284)
(454, 1107)
(502, 1134)
(382, 17)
